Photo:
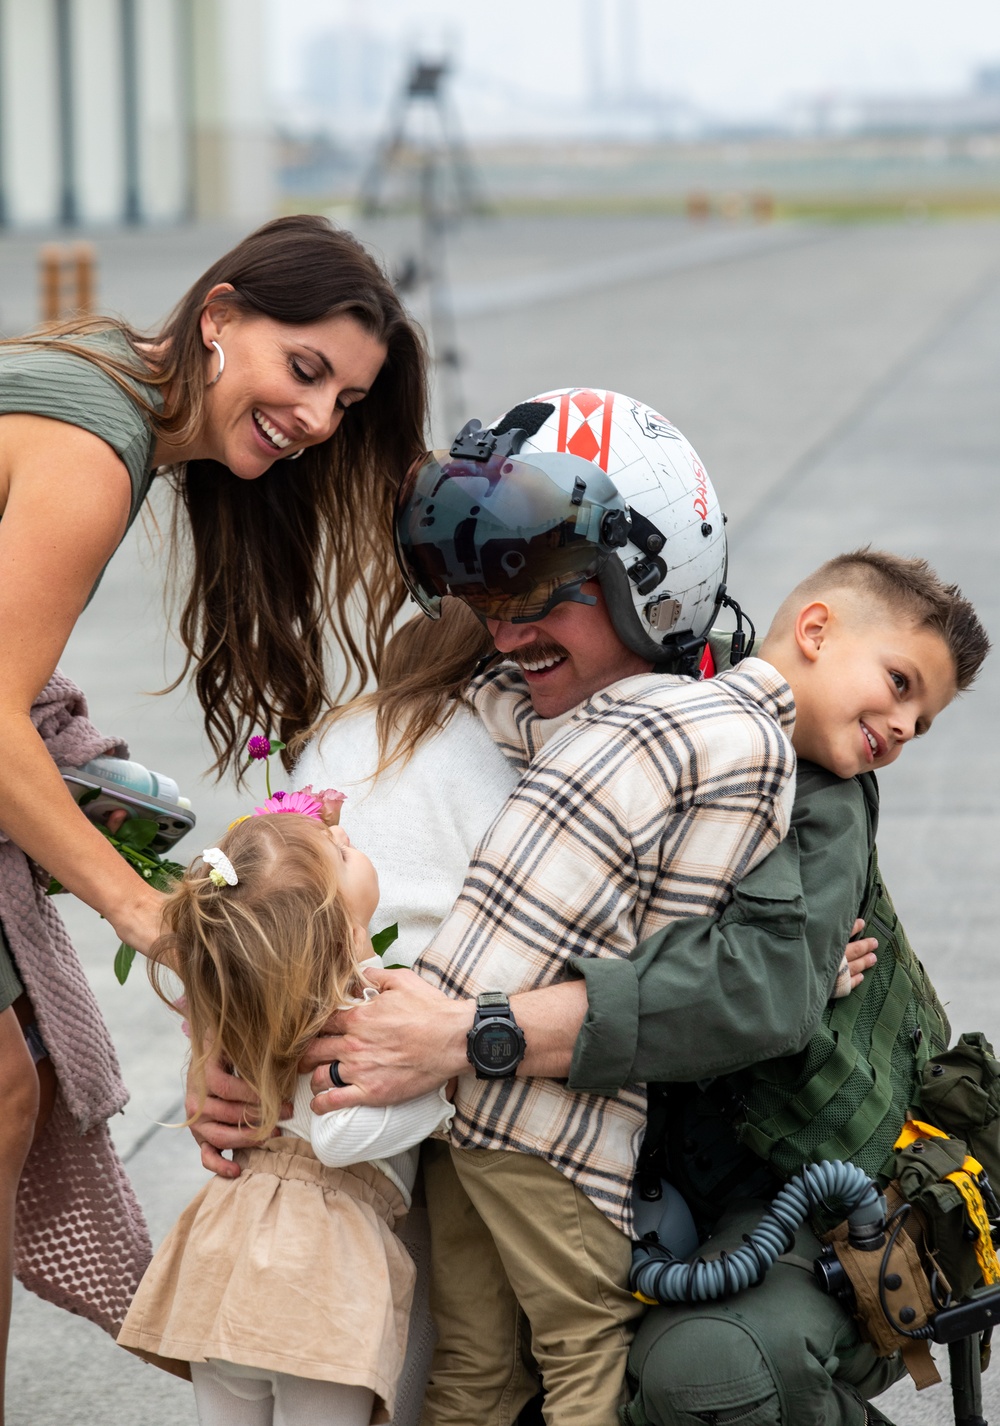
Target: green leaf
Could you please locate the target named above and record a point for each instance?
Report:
(89, 796)
(382, 940)
(54, 887)
(396, 965)
(137, 833)
(123, 962)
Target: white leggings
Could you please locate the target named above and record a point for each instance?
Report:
(230, 1395)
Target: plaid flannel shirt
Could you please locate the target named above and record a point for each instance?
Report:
(646, 806)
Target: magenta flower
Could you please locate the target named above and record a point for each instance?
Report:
(331, 801)
(301, 802)
(259, 748)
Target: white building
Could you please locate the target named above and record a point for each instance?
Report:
(139, 111)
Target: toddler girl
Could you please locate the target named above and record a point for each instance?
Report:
(283, 1294)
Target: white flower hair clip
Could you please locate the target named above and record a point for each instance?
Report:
(222, 872)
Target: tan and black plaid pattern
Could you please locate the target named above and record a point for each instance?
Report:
(648, 805)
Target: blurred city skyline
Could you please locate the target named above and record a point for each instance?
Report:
(639, 68)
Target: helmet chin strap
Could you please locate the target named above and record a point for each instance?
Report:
(739, 649)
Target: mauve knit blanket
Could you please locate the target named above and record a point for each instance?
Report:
(81, 1240)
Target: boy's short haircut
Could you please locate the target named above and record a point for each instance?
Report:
(905, 587)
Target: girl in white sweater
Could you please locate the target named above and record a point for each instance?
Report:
(284, 1294)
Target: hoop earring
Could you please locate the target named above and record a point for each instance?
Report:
(295, 454)
(222, 364)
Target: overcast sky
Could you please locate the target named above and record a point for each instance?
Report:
(732, 58)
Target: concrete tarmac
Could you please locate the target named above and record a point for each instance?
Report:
(840, 384)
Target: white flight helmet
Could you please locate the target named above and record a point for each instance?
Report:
(572, 485)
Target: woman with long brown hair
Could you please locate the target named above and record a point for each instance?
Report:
(283, 400)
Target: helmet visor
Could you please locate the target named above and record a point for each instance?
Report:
(512, 538)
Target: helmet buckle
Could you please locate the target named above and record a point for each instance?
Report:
(662, 614)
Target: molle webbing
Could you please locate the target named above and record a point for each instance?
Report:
(846, 1094)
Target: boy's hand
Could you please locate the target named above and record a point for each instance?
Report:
(859, 956)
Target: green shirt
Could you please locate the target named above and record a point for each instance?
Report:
(705, 997)
(40, 381)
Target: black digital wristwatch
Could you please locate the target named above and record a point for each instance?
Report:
(495, 1044)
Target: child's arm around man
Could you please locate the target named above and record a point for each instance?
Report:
(873, 646)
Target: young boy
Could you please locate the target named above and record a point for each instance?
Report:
(872, 648)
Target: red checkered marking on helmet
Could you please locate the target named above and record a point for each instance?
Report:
(589, 437)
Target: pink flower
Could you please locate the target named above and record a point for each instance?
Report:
(259, 748)
(301, 802)
(331, 801)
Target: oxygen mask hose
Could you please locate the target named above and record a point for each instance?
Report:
(658, 1277)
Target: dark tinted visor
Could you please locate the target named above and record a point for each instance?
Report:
(512, 538)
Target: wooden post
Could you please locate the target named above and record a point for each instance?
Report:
(50, 282)
(67, 281)
(83, 271)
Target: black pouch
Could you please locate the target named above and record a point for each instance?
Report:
(960, 1094)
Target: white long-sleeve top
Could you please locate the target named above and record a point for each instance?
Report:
(386, 1137)
(420, 823)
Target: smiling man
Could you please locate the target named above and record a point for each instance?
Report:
(873, 647)
(644, 799)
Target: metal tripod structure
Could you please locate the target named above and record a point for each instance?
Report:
(423, 138)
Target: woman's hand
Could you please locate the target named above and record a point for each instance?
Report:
(140, 922)
(224, 1118)
(404, 1042)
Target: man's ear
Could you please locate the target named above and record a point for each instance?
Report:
(216, 313)
(812, 625)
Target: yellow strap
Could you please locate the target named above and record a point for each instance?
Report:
(985, 1252)
(915, 1129)
(964, 1181)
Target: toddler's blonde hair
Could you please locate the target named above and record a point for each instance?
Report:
(263, 963)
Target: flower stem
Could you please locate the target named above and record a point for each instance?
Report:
(267, 775)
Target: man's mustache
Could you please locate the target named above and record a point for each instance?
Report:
(537, 652)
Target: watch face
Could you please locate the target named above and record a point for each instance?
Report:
(495, 1047)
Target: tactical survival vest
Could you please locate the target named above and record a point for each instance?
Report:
(845, 1096)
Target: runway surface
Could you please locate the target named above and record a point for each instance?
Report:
(840, 384)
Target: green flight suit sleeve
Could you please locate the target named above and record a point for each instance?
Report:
(704, 996)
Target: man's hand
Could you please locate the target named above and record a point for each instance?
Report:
(225, 1120)
(860, 955)
(406, 1041)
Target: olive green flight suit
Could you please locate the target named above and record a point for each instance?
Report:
(704, 999)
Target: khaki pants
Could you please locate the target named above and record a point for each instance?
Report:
(524, 1270)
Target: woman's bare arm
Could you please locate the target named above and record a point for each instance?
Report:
(67, 498)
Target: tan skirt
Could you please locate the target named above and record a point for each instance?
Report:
(292, 1267)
